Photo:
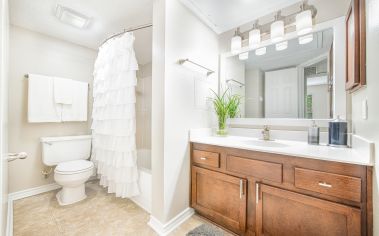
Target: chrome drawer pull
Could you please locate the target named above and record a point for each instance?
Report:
(241, 188)
(256, 193)
(203, 158)
(323, 184)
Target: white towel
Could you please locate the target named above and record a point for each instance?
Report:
(41, 105)
(63, 90)
(77, 111)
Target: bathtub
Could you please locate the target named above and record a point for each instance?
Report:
(144, 170)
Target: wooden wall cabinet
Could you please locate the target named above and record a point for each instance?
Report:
(356, 45)
(256, 193)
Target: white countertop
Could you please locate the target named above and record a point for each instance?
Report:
(291, 148)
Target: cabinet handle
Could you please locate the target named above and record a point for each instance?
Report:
(203, 158)
(256, 193)
(241, 188)
(324, 184)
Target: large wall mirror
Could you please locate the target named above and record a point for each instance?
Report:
(301, 76)
(293, 83)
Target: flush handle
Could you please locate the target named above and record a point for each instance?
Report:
(15, 156)
(324, 184)
(203, 158)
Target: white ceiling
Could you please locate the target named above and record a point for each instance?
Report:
(294, 55)
(224, 15)
(108, 17)
(227, 15)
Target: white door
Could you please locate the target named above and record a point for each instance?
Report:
(4, 29)
(281, 94)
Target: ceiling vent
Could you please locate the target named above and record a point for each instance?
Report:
(71, 17)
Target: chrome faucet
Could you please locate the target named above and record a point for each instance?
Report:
(266, 133)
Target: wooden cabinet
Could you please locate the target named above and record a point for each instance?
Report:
(258, 193)
(220, 197)
(281, 212)
(356, 45)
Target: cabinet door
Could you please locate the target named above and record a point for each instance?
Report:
(220, 197)
(356, 45)
(281, 212)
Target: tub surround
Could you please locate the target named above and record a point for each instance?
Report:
(361, 152)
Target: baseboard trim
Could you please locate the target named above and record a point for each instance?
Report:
(9, 229)
(165, 229)
(33, 191)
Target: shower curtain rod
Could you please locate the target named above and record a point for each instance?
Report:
(127, 30)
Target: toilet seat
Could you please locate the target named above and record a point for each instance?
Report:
(73, 167)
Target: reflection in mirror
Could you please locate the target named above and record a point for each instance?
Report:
(292, 80)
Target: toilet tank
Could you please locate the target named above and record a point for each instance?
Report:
(68, 148)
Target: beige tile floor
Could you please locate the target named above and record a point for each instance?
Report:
(100, 214)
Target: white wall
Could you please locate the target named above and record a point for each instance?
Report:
(370, 128)
(32, 52)
(4, 58)
(143, 107)
(185, 36)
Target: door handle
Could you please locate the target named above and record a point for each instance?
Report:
(256, 193)
(324, 184)
(241, 188)
(15, 156)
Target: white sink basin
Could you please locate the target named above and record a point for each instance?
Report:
(263, 143)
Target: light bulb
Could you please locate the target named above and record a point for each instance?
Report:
(243, 56)
(281, 46)
(236, 44)
(260, 51)
(277, 31)
(306, 39)
(304, 24)
(254, 38)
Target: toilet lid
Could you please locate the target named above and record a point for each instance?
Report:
(74, 166)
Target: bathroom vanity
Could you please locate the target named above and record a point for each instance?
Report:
(253, 187)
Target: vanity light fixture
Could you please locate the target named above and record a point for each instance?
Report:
(243, 56)
(255, 36)
(306, 39)
(304, 22)
(71, 17)
(281, 46)
(277, 29)
(195, 67)
(260, 51)
(236, 44)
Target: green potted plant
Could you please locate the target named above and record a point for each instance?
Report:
(234, 102)
(226, 106)
(221, 107)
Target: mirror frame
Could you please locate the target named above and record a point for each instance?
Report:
(339, 75)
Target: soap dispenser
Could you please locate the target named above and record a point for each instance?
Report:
(314, 134)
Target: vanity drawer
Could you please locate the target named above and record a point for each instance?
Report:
(211, 159)
(259, 169)
(336, 185)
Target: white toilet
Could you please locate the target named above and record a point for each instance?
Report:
(69, 154)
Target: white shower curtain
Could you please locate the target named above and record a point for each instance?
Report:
(113, 116)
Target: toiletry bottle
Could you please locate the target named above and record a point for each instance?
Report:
(314, 134)
(338, 133)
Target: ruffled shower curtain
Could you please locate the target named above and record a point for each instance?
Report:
(113, 116)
